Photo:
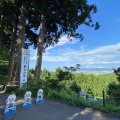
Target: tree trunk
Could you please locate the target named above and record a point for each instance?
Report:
(40, 49)
(1, 29)
(20, 41)
(12, 53)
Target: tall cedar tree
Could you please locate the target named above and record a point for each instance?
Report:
(5, 22)
(15, 20)
(7, 17)
(21, 38)
(57, 18)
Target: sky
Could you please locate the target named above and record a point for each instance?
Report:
(98, 51)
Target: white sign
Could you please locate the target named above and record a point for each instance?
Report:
(24, 65)
(82, 93)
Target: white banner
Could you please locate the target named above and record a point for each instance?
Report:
(24, 65)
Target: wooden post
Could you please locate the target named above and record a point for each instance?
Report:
(78, 92)
(46, 87)
(58, 88)
(103, 93)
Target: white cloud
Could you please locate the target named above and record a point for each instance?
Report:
(104, 49)
(55, 58)
(62, 41)
(101, 57)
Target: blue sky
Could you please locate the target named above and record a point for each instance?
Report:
(98, 50)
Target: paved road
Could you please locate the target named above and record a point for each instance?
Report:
(50, 110)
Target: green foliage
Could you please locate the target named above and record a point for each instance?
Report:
(66, 84)
(3, 64)
(64, 18)
(107, 78)
(34, 88)
(31, 76)
(68, 95)
(117, 72)
(2, 81)
(53, 83)
(73, 100)
(59, 74)
(61, 17)
(58, 87)
(72, 69)
(45, 74)
(113, 108)
(114, 93)
(89, 83)
(13, 90)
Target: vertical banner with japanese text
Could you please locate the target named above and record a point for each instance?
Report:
(24, 68)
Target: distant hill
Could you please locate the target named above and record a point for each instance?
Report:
(111, 77)
(97, 72)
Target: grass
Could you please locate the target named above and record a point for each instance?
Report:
(73, 100)
(70, 98)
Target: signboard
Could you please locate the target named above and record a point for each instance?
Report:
(82, 93)
(24, 68)
(10, 105)
(39, 99)
(27, 100)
